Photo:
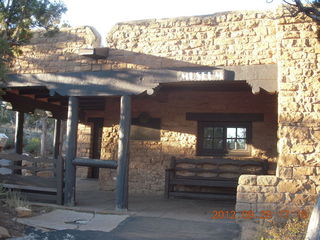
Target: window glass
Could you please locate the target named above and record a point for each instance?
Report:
(231, 132)
(207, 144)
(218, 132)
(241, 132)
(208, 132)
(218, 144)
(241, 144)
(224, 138)
(231, 144)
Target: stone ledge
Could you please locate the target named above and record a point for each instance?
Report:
(267, 180)
(248, 180)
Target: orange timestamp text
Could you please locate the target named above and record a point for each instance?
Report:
(263, 214)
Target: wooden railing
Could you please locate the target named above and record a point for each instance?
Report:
(40, 179)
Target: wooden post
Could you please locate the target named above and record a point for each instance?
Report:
(18, 138)
(70, 172)
(43, 150)
(56, 138)
(123, 154)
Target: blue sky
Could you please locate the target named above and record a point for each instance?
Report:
(103, 14)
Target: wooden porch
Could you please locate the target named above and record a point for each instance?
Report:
(68, 95)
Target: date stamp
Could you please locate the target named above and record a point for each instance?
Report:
(263, 214)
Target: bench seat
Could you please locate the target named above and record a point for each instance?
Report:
(210, 178)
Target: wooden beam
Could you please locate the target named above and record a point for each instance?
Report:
(227, 117)
(25, 104)
(70, 172)
(88, 162)
(123, 154)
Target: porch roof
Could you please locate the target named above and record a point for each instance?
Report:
(134, 82)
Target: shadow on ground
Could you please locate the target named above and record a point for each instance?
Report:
(146, 228)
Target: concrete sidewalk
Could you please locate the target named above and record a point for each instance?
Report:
(149, 217)
(60, 219)
(146, 228)
(90, 198)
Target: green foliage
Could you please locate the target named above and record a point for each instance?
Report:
(292, 229)
(33, 146)
(3, 192)
(18, 18)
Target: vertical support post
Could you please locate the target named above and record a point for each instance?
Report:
(18, 138)
(123, 154)
(56, 138)
(43, 150)
(70, 173)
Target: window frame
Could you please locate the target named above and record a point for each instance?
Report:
(207, 152)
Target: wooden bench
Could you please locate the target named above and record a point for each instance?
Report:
(209, 178)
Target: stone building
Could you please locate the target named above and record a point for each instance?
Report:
(272, 65)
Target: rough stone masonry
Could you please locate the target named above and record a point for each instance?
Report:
(224, 39)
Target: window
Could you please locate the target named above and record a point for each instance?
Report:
(223, 138)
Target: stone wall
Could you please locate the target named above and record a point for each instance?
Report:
(296, 183)
(83, 147)
(149, 159)
(226, 39)
(60, 53)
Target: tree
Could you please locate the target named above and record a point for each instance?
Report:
(309, 8)
(18, 18)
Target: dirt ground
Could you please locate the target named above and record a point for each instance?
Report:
(7, 220)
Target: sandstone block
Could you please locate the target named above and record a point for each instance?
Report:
(247, 197)
(4, 233)
(243, 207)
(270, 197)
(296, 186)
(272, 207)
(289, 186)
(285, 172)
(286, 160)
(248, 189)
(248, 180)
(303, 149)
(304, 199)
(267, 180)
(23, 212)
(303, 171)
(269, 189)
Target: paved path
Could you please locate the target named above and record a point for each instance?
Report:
(147, 228)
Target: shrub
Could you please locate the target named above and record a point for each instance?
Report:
(15, 199)
(3, 192)
(33, 146)
(294, 228)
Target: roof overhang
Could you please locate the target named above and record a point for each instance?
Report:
(134, 82)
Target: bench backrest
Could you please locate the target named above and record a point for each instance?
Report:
(214, 168)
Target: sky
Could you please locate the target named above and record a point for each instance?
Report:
(103, 14)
